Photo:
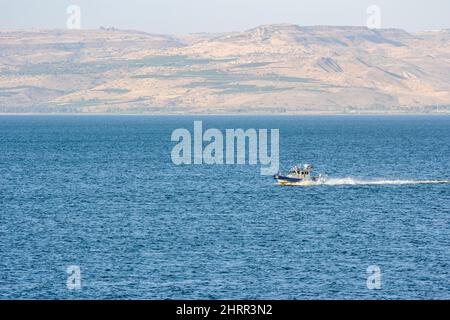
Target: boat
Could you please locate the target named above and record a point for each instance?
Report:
(298, 175)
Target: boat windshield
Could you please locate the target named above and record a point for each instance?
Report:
(301, 172)
(295, 170)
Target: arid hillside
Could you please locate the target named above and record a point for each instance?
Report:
(278, 69)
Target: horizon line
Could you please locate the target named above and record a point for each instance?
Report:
(112, 29)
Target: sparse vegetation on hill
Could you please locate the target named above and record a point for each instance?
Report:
(268, 69)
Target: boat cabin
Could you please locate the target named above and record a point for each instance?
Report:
(300, 172)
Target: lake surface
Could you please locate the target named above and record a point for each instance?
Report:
(102, 193)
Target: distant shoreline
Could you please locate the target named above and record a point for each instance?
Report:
(231, 114)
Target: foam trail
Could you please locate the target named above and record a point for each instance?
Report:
(353, 181)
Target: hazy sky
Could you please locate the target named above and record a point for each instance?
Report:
(185, 16)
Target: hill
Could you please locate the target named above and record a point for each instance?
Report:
(269, 69)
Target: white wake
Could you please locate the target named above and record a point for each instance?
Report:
(354, 181)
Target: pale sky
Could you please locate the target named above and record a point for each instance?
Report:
(187, 16)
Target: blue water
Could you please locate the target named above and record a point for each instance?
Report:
(102, 193)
